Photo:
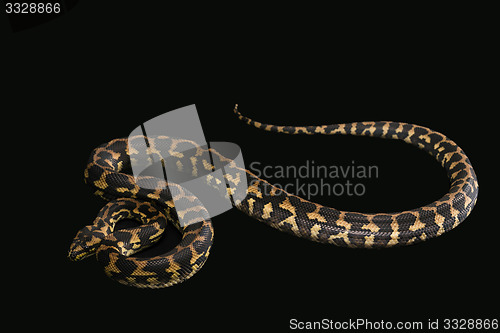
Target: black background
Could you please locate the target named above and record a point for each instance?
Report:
(96, 73)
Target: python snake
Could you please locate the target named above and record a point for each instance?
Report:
(154, 207)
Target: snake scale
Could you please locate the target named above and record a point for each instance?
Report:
(154, 208)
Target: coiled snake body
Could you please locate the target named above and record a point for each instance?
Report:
(264, 202)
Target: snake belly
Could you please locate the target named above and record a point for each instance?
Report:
(292, 214)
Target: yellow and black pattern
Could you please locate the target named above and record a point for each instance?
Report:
(153, 205)
(129, 241)
(292, 214)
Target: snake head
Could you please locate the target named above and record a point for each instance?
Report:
(84, 244)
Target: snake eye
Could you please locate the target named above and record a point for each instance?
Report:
(77, 252)
(84, 245)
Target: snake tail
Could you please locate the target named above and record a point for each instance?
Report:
(292, 214)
